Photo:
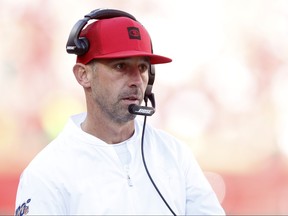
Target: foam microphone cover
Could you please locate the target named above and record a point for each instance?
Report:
(141, 110)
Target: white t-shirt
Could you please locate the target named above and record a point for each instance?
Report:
(78, 174)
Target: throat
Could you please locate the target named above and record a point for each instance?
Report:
(109, 133)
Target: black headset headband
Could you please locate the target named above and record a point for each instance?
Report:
(80, 45)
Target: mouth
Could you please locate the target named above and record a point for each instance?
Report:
(133, 99)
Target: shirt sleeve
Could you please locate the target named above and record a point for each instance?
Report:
(200, 197)
(36, 195)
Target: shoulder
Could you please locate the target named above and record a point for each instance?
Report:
(163, 136)
(59, 149)
(152, 130)
(44, 160)
(160, 139)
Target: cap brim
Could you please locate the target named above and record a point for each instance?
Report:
(154, 59)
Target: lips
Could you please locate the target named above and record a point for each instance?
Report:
(131, 99)
(132, 96)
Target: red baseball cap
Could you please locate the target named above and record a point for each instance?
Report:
(119, 37)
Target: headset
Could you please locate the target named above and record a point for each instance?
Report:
(80, 45)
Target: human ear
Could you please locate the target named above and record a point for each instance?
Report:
(81, 75)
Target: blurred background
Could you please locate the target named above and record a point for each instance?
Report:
(225, 93)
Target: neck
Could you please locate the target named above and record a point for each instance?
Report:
(107, 130)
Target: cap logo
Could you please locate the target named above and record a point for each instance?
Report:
(134, 33)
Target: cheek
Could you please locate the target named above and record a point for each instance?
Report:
(105, 89)
(145, 81)
(145, 78)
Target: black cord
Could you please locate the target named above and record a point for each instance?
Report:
(147, 171)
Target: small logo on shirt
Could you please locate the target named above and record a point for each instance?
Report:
(134, 33)
(23, 209)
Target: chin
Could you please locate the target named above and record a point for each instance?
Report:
(125, 118)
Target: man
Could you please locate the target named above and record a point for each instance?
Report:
(96, 165)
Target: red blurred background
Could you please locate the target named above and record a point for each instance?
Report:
(224, 94)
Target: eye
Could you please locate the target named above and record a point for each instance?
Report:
(120, 66)
(143, 67)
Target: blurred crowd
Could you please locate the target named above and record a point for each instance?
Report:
(224, 94)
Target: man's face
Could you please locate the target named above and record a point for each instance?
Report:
(117, 83)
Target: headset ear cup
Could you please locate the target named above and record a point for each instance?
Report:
(83, 46)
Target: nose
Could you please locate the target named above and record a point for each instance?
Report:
(136, 77)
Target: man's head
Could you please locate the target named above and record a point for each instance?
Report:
(118, 37)
(115, 42)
